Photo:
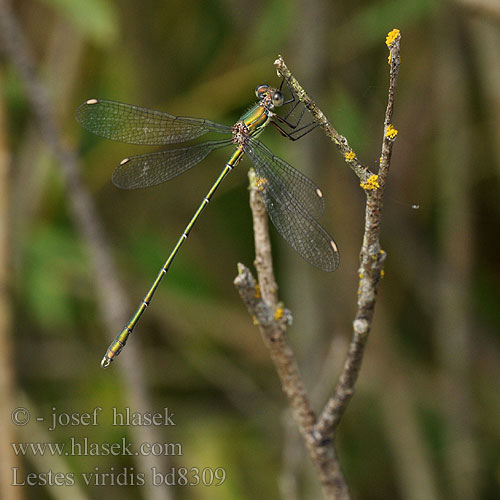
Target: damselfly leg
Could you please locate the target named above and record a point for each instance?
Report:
(290, 119)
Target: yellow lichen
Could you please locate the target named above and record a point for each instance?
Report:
(391, 36)
(382, 274)
(389, 59)
(391, 132)
(278, 314)
(257, 291)
(371, 183)
(255, 320)
(350, 155)
(260, 183)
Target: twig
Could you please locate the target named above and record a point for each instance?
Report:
(263, 256)
(271, 317)
(340, 141)
(372, 256)
(319, 433)
(8, 386)
(273, 324)
(112, 300)
(273, 320)
(372, 260)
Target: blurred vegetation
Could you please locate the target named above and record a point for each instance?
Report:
(424, 421)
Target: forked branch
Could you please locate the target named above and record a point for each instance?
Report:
(272, 318)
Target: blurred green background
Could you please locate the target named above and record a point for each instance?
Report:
(424, 422)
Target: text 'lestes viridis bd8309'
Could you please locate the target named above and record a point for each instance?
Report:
(294, 203)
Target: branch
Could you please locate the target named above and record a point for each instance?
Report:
(272, 319)
(112, 300)
(372, 260)
(273, 324)
(340, 141)
(263, 256)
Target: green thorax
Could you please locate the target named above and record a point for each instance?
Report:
(256, 119)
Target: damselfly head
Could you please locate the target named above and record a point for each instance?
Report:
(269, 97)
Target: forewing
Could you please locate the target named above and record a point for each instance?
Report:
(135, 125)
(151, 169)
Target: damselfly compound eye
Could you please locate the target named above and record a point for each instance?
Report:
(278, 98)
(261, 90)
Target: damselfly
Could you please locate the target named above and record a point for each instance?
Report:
(294, 203)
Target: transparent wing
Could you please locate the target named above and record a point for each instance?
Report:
(135, 125)
(288, 178)
(297, 226)
(151, 169)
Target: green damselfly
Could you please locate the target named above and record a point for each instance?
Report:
(294, 203)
